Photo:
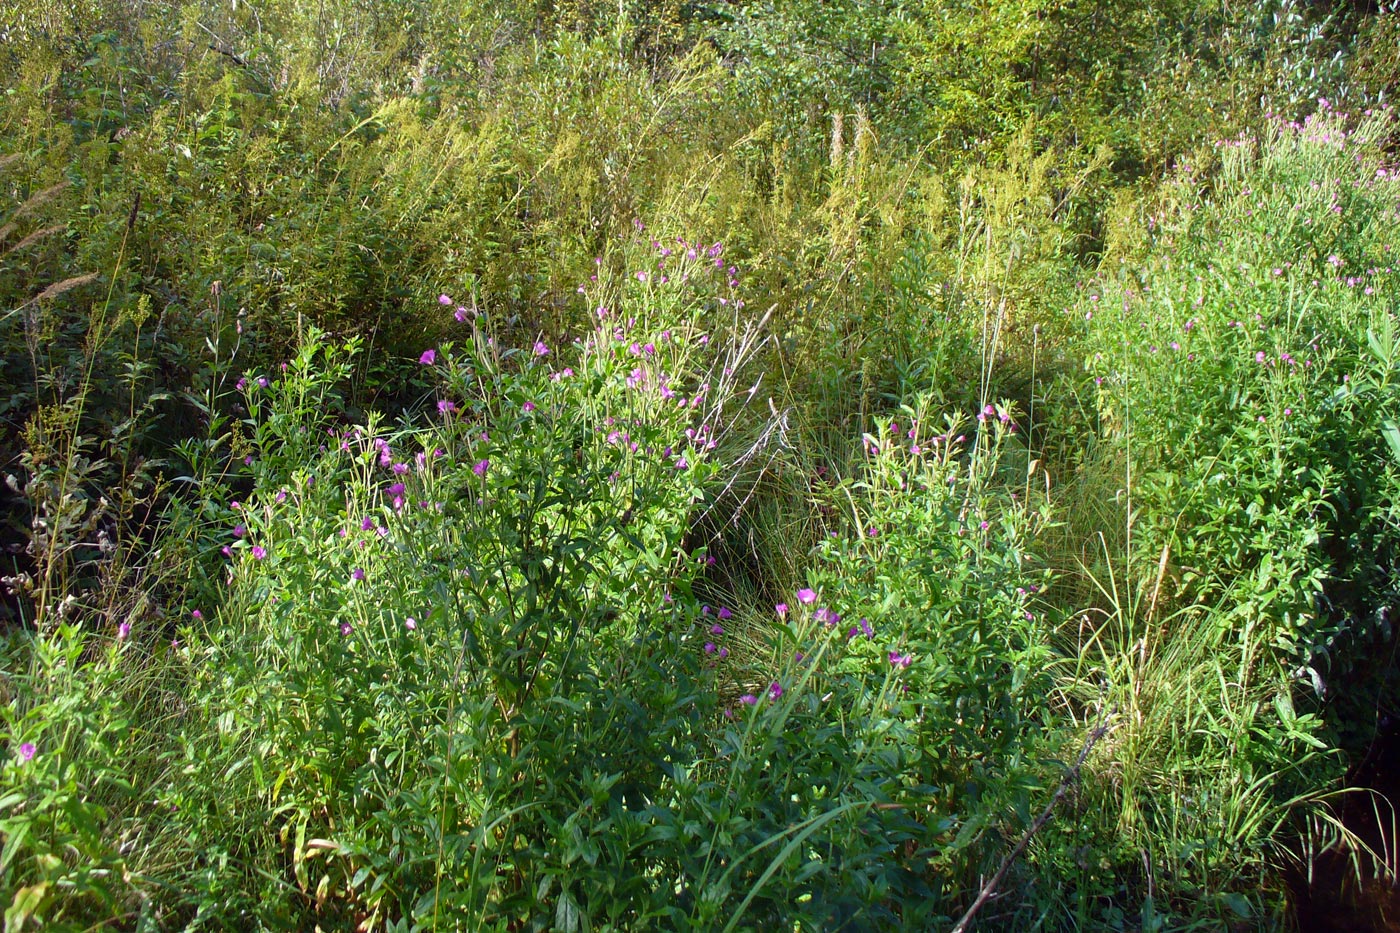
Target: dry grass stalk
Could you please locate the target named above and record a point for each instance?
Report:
(67, 285)
(39, 199)
(34, 237)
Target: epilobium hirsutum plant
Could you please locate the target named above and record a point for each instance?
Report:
(486, 621)
(1240, 385)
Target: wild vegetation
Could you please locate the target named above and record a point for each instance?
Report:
(827, 465)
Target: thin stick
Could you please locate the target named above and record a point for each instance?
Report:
(1071, 776)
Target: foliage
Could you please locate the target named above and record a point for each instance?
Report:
(835, 412)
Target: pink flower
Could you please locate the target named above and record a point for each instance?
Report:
(775, 690)
(428, 358)
(446, 406)
(481, 467)
(528, 407)
(748, 699)
(444, 300)
(541, 349)
(900, 660)
(345, 628)
(460, 315)
(410, 624)
(26, 752)
(806, 596)
(781, 609)
(258, 552)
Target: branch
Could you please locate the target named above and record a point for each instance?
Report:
(1070, 777)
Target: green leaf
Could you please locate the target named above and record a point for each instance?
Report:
(27, 902)
(1390, 430)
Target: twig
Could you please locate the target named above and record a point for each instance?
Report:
(1072, 775)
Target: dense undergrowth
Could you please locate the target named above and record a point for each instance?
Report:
(672, 466)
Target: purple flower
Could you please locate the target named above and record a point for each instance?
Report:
(723, 652)
(396, 489)
(827, 616)
(196, 614)
(709, 647)
(541, 349)
(281, 496)
(748, 699)
(399, 469)
(725, 613)
(26, 752)
(446, 406)
(366, 523)
(775, 690)
(239, 531)
(410, 624)
(460, 315)
(262, 382)
(258, 552)
(865, 627)
(345, 628)
(428, 358)
(481, 467)
(781, 609)
(806, 597)
(123, 631)
(357, 574)
(716, 629)
(444, 300)
(900, 660)
(528, 407)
